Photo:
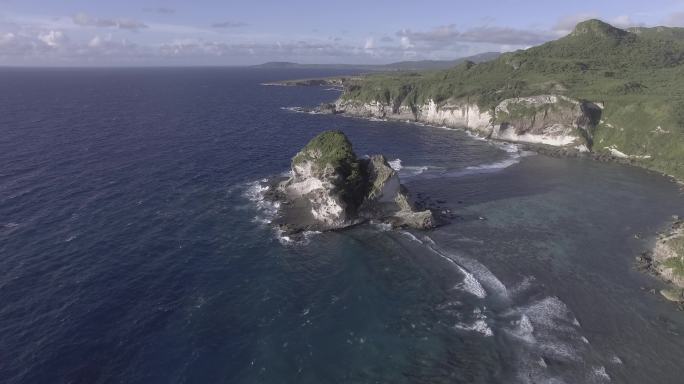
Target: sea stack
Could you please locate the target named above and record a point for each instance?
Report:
(330, 188)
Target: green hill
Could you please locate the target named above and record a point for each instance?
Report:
(637, 74)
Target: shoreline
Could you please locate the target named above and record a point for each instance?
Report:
(645, 262)
(340, 82)
(543, 149)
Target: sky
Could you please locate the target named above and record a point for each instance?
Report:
(212, 32)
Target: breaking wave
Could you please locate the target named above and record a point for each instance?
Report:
(301, 110)
(541, 329)
(267, 211)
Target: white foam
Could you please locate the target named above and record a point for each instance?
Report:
(305, 239)
(478, 325)
(395, 164)
(542, 362)
(550, 312)
(411, 171)
(301, 110)
(293, 109)
(494, 166)
(383, 227)
(470, 283)
(475, 136)
(411, 236)
(523, 329)
(514, 158)
(600, 372)
(478, 270)
(284, 239)
(255, 192)
(523, 286)
(508, 147)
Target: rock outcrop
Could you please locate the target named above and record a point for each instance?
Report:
(668, 260)
(545, 119)
(331, 188)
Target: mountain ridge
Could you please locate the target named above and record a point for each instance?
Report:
(395, 66)
(636, 75)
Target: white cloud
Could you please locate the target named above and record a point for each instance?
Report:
(229, 24)
(370, 44)
(675, 19)
(52, 38)
(86, 20)
(567, 24)
(160, 10)
(449, 34)
(6, 38)
(406, 42)
(625, 21)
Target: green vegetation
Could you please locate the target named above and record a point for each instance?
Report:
(637, 74)
(677, 265)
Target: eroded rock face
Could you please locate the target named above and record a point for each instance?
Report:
(545, 119)
(668, 254)
(387, 199)
(340, 190)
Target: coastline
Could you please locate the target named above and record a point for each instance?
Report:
(645, 262)
(540, 148)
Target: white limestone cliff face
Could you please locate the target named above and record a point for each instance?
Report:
(318, 188)
(545, 119)
(456, 115)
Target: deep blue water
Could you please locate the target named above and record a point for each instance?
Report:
(134, 247)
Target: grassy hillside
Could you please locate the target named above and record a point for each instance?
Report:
(638, 74)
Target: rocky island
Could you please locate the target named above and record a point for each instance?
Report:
(331, 188)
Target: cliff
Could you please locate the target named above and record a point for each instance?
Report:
(545, 119)
(330, 188)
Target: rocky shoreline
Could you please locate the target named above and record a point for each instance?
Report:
(666, 261)
(557, 127)
(540, 148)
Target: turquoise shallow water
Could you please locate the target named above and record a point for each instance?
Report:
(135, 247)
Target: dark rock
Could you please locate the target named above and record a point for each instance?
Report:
(327, 109)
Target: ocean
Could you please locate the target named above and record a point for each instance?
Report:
(136, 247)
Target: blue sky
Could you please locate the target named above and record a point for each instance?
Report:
(212, 32)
